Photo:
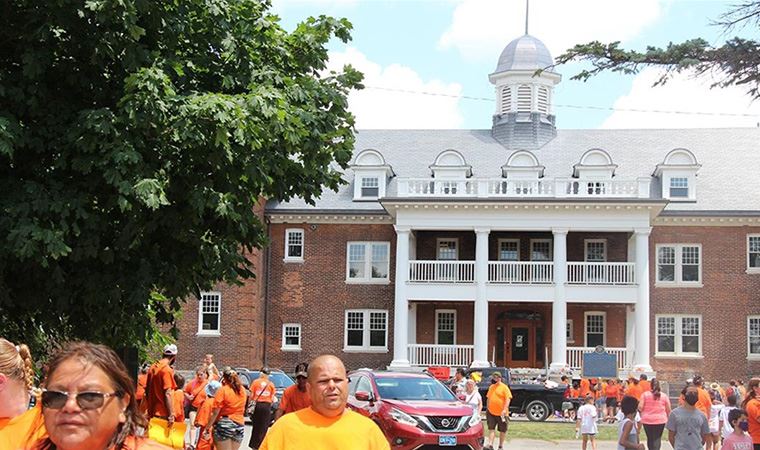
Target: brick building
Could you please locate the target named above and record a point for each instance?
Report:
(519, 245)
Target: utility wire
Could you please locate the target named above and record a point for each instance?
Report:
(598, 108)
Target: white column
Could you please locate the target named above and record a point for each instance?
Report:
(412, 336)
(480, 324)
(401, 304)
(641, 355)
(559, 306)
(630, 334)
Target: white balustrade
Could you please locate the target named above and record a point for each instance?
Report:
(441, 271)
(427, 355)
(575, 356)
(502, 187)
(433, 187)
(521, 272)
(606, 273)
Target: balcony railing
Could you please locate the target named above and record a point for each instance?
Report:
(442, 271)
(521, 272)
(575, 356)
(607, 273)
(427, 355)
(506, 188)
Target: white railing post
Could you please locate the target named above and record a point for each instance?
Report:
(643, 186)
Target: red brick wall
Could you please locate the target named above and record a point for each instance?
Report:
(426, 321)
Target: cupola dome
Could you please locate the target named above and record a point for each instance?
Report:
(525, 53)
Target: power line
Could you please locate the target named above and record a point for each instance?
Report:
(592, 107)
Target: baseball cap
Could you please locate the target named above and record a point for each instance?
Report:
(496, 375)
(265, 370)
(212, 387)
(302, 373)
(170, 349)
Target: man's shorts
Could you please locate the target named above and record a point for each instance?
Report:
(496, 422)
(611, 402)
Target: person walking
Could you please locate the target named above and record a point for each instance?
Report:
(200, 441)
(751, 405)
(738, 439)
(704, 403)
(687, 426)
(611, 392)
(586, 422)
(628, 431)
(295, 397)
(644, 383)
(228, 416)
(715, 411)
(262, 396)
(725, 425)
(195, 395)
(178, 398)
(19, 425)
(327, 424)
(160, 386)
(497, 410)
(654, 409)
(472, 397)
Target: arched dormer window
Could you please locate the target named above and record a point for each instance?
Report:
(524, 98)
(524, 165)
(506, 99)
(371, 174)
(678, 175)
(595, 163)
(450, 164)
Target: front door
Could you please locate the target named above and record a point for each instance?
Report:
(520, 345)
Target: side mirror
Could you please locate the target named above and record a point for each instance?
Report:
(363, 396)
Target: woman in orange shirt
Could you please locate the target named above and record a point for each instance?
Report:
(19, 425)
(228, 418)
(751, 404)
(195, 394)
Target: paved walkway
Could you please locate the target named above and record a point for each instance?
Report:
(531, 444)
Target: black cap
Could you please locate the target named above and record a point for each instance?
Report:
(265, 370)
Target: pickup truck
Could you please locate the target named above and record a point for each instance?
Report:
(535, 400)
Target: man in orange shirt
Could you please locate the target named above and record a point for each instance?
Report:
(160, 386)
(262, 395)
(704, 403)
(633, 389)
(295, 397)
(497, 411)
(644, 384)
(585, 388)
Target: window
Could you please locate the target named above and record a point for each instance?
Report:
(509, 249)
(291, 336)
(294, 244)
(596, 250)
(679, 187)
(595, 323)
(540, 250)
(209, 310)
(370, 187)
(524, 95)
(753, 253)
(570, 334)
(366, 329)
(506, 99)
(367, 262)
(679, 264)
(753, 336)
(445, 326)
(448, 250)
(679, 335)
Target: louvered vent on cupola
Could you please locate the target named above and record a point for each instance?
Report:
(506, 99)
(523, 98)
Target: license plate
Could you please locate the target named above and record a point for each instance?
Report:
(447, 441)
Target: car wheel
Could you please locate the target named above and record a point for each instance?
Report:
(537, 411)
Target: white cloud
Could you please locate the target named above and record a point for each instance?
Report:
(480, 29)
(687, 94)
(387, 108)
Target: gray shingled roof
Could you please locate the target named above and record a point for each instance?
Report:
(727, 181)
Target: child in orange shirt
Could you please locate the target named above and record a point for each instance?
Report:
(178, 400)
(204, 413)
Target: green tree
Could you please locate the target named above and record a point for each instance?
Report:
(136, 137)
(736, 62)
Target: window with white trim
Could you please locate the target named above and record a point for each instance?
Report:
(294, 244)
(209, 312)
(448, 249)
(595, 325)
(366, 329)
(596, 250)
(753, 253)
(509, 249)
(291, 336)
(679, 264)
(753, 336)
(569, 332)
(679, 335)
(367, 262)
(370, 187)
(541, 250)
(679, 187)
(445, 326)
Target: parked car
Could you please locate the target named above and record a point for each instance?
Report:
(414, 410)
(535, 400)
(280, 379)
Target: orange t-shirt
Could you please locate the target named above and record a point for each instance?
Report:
(22, 431)
(704, 403)
(230, 403)
(585, 387)
(201, 420)
(294, 400)
(645, 386)
(574, 393)
(753, 417)
(133, 443)
(142, 379)
(611, 391)
(179, 406)
(498, 395)
(634, 390)
(160, 379)
(262, 391)
(196, 389)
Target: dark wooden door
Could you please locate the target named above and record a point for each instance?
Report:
(520, 344)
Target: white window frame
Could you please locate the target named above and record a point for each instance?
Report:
(288, 232)
(751, 269)
(498, 249)
(365, 347)
(288, 347)
(360, 174)
(438, 248)
(671, 187)
(437, 323)
(551, 248)
(678, 275)
(361, 187)
(218, 331)
(594, 241)
(750, 355)
(570, 330)
(604, 326)
(678, 337)
(367, 279)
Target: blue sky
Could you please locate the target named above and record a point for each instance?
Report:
(448, 48)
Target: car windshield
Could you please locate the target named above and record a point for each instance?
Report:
(280, 380)
(413, 389)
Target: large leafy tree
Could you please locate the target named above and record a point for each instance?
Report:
(136, 137)
(736, 62)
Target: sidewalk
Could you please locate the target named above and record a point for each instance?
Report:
(531, 444)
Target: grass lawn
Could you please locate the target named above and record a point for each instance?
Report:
(558, 431)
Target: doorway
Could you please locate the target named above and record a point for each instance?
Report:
(520, 339)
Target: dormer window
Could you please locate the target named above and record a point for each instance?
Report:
(371, 174)
(679, 187)
(678, 175)
(370, 187)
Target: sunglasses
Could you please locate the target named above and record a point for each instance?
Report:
(85, 400)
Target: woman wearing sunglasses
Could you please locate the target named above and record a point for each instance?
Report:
(19, 426)
(88, 402)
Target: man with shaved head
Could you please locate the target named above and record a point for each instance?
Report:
(327, 424)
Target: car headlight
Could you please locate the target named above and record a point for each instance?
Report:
(475, 419)
(402, 417)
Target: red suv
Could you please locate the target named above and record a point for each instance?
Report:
(415, 411)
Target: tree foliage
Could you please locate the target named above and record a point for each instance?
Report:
(736, 62)
(135, 138)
